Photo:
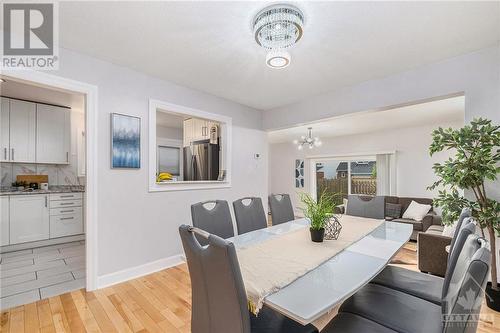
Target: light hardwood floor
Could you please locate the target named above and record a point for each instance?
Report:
(159, 302)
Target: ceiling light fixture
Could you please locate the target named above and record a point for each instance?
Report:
(2, 80)
(308, 141)
(276, 28)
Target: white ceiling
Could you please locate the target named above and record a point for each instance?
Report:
(209, 46)
(37, 93)
(436, 112)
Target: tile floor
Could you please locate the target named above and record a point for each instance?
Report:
(30, 275)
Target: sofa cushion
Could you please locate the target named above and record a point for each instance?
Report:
(417, 225)
(418, 284)
(435, 230)
(393, 210)
(416, 211)
(395, 309)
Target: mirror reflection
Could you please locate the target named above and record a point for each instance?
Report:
(188, 148)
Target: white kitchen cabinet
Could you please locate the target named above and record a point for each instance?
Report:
(22, 131)
(4, 130)
(4, 221)
(29, 218)
(66, 214)
(53, 134)
(196, 129)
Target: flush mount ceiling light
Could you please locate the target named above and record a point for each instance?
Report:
(2, 80)
(308, 141)
(276, 28)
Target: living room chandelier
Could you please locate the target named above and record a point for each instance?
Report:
(277, 28)
(308, 140)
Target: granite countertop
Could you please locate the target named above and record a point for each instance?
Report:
(52, 189)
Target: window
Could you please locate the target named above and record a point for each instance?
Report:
(346, 177)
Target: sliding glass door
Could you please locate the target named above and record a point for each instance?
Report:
(345, 176)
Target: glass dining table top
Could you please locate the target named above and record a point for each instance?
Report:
(323, 288)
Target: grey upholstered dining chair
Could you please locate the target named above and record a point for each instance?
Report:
(466, 213)
(249, 217)
(281, 208)
(365, 206)
(376, 308)
(425, 286)
(219, 302)
(215, 220)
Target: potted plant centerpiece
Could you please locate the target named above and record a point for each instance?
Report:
(318, 212)
(476, 161)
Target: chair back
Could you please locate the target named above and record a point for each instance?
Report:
(249, 217)
(461, 303)
(466, 212)
(281, 208)
(468, 228)
(215, 221)
(219, 302)
(365, 206)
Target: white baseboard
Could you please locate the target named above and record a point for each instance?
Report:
(138, 271)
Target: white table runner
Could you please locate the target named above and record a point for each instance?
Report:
(268, 266)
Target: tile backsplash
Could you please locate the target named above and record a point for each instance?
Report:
(58, 174)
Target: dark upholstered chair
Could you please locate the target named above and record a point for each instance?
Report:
(418, 284)
(216, 221)
(366, 206)
(376, 308)
(281, 208)
(219, 302)
(249, 217)
(430, 219)
(432, 255)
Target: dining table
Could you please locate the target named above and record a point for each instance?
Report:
(319, 291)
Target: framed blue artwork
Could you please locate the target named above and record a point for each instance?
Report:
(125, 141)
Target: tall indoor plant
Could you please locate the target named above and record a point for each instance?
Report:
(318, 212)
(476, 161)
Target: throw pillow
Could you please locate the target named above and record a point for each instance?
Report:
(416, 211)
(393, 210)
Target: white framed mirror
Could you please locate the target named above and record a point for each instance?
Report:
(188, 148)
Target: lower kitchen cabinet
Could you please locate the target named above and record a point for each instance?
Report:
(29, 218)
(65, 221)
(35, 217)
(4, 221)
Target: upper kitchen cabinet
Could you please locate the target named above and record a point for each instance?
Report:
(4, 130)
(53, 134)
(196, 129)
(18, 126)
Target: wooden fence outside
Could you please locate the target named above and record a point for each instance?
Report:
(365, 186)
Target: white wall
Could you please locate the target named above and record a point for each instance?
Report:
(413, 163)
(136, 227)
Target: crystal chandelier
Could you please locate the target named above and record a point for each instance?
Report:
(308, 141)
(276, 28)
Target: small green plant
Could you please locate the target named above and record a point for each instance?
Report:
(19, 184)
(320, 211)
(475, 162)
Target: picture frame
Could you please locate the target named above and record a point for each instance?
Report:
(125, 141)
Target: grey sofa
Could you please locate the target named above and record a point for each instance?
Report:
(391, 208)
(418, 226)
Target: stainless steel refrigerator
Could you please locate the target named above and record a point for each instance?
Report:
(201, 161)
